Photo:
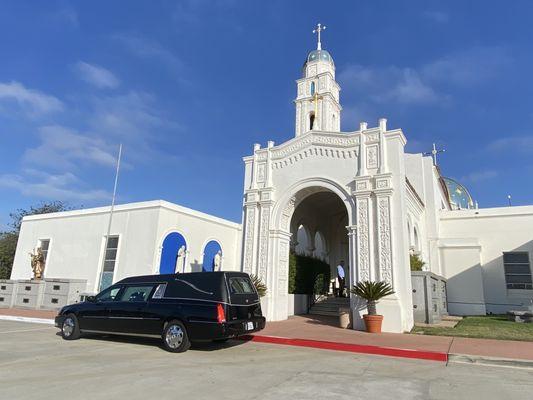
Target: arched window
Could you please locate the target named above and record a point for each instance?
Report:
(409, 234)
(416, 239)
(311, 120)
(173, 254)
(212, 257)
(303, 239)
(320, 246)
(312, 88)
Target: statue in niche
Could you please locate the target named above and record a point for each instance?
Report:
(180, 260)
(217, 261)
(37, 263)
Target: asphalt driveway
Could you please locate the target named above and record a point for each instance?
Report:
(35, 363)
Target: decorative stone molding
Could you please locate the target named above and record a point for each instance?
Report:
(363, 239)
(372, 157)
(314, 138)
(249, 241)
(371, 137)
(261, 173)
(384, 239)
(287, 213)
(263, 243)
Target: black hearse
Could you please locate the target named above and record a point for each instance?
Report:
(177, 308)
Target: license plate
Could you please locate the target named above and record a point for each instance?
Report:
(248, 326)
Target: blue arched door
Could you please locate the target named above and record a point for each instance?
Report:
(170, 252)
(210, 251)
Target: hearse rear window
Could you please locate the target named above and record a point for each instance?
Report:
(240, 285)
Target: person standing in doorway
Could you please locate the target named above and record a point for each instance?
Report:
(340, 279)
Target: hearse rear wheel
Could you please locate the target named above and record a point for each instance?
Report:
(175, 338)
(70, 330)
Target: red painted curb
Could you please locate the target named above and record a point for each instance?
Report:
(353, 348)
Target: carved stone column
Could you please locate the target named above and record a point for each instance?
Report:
(352, 254)
(363, 238)
(384, 241)
(265, 209)
(250, 227)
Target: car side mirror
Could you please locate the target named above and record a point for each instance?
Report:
(91, 299)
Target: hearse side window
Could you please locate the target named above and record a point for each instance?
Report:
(158, 294)
(109, 294)
(136, 293)
(240, 285)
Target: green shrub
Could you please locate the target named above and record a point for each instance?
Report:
(416, 262)
(308, 275)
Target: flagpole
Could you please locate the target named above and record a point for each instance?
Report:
(110, 214)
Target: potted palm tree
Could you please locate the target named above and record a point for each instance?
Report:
(372, 292)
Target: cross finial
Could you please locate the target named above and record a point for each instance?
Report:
(319, 28)
(433, 153)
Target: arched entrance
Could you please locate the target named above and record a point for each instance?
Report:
(212, 257)
(173, 254)
(323, 216)
(320, 205)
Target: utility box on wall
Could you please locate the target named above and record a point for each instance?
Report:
(429, 297)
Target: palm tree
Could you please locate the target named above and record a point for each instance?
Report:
(372, 292)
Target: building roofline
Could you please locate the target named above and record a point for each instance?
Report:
(135, 206)
(514, 211)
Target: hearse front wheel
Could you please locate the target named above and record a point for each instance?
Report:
(70, 330)
(175, 338)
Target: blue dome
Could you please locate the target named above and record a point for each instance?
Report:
(319, 55)
(458, 195)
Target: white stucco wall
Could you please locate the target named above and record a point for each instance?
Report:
(77, 240)
(471, 247)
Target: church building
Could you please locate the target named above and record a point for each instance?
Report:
(355, 196)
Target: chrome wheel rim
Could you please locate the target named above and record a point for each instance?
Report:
(174, 336)
(68, 327)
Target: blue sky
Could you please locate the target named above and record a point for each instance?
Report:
(189, 86)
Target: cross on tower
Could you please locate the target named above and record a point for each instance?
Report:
(319, 28)
(433, 153)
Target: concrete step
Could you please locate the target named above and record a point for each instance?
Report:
(334, 300)
(327, 309)
(451, 318)
(326, 313)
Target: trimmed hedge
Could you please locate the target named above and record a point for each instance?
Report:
(307, 272)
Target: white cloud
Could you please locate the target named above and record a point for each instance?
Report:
(518, 144)
(410, 88)
(427, 84)
(389, 84)
(98, 76)
(468, 67)
(480, 176)
(32, 102)
(54, 187)
(149, 49)
(63, 149)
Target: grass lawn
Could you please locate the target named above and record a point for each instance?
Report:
(486, 327)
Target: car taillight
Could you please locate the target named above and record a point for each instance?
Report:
(221, 314)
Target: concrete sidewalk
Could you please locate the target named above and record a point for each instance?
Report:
(322, 329)
(321, 332)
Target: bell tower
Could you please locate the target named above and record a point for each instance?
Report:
(317, 100)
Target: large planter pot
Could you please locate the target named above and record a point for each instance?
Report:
(373, 323)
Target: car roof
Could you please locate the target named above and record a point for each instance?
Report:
(171, 277)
